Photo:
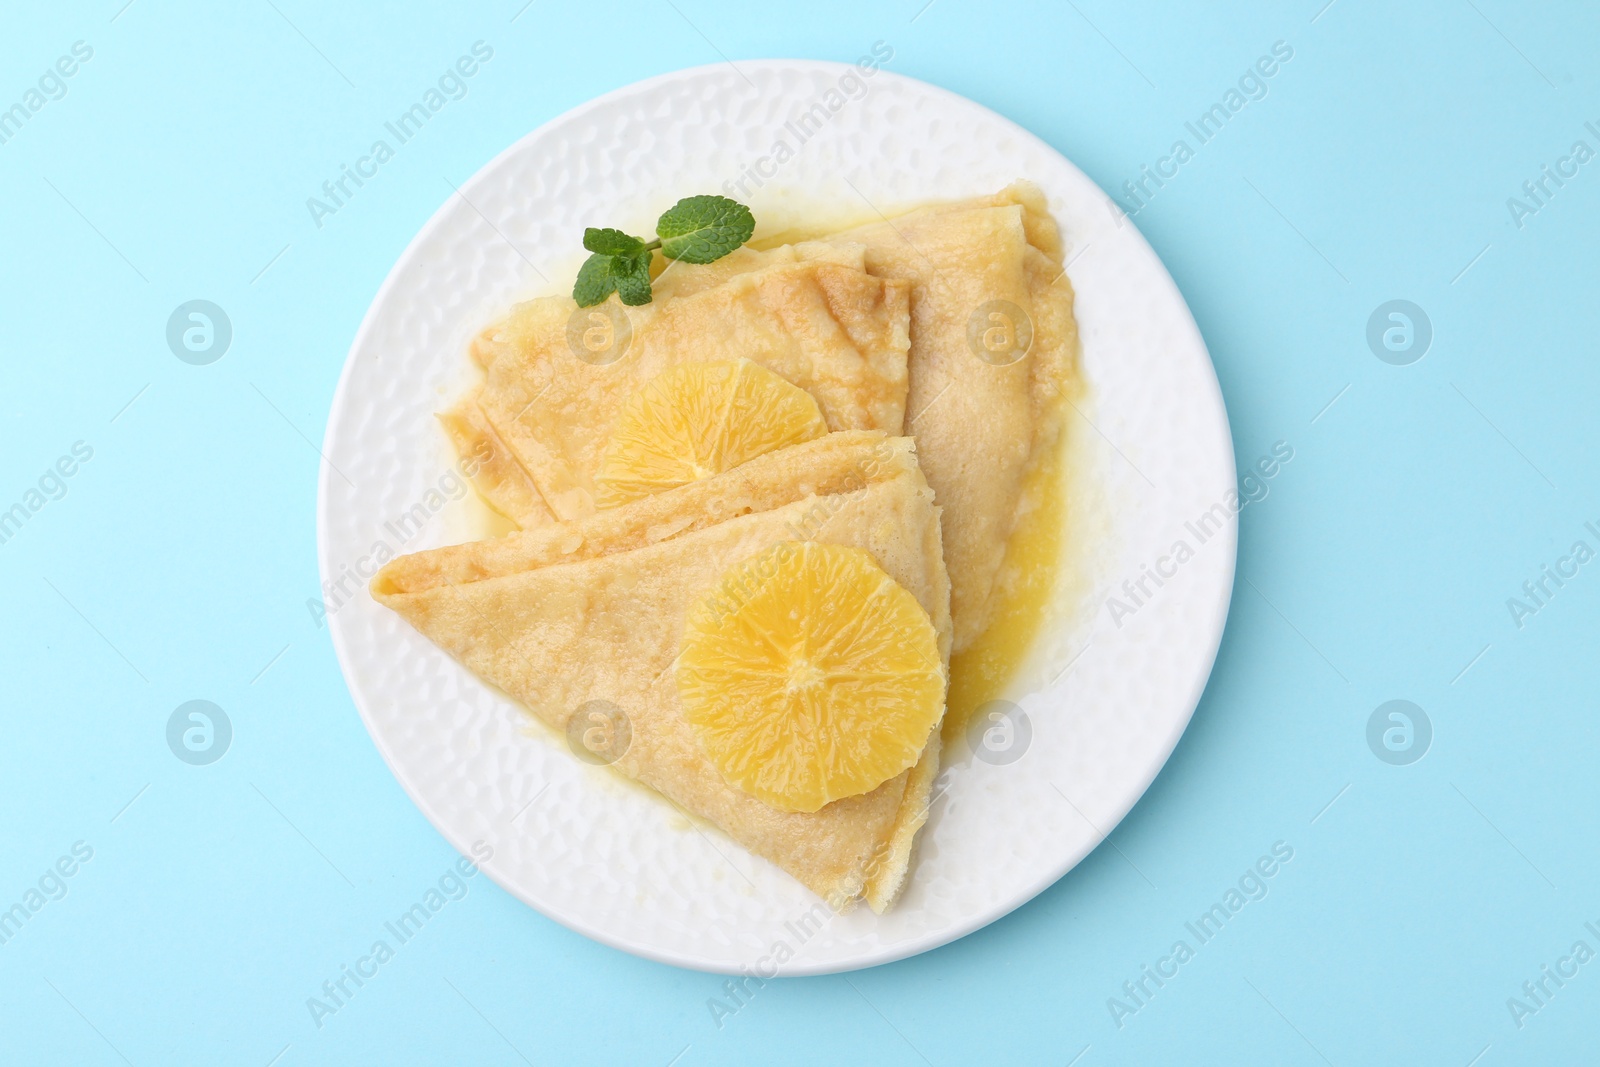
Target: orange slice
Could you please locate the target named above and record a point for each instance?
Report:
(701, 419)
(809, 674)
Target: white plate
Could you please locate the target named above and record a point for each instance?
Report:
(607, 858)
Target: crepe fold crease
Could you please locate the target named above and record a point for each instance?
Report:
(594, 609)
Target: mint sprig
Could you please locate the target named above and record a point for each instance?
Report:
(697, 229)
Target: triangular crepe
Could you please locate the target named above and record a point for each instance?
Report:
(811, 315)
(594, 609)
(980, 425)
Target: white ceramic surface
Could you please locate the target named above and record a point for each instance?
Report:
(605, 857)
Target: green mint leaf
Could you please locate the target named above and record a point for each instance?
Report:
(703, 229)
(597, 279)
(611, 242)
(601, 275)
(633, 283)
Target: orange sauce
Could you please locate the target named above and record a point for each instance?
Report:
(1026, 596)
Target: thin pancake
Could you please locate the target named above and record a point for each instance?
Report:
(594, 609)
(980, 423)
(806, 313)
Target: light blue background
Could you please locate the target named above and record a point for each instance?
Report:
(178, 563)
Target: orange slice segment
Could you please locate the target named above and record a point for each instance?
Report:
(809, 675)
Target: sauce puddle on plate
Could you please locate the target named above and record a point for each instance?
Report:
(1040, 589)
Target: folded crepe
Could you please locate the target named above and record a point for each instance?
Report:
(983, 417)
(595, 608)
(810, 314)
